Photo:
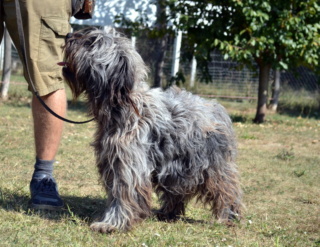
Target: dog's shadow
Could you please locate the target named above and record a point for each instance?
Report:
(85, 209)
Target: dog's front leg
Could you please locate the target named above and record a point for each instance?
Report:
(116, 217)
(129, 193)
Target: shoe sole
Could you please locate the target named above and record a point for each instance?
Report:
(46, 207)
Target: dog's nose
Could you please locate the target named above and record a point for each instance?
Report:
(68, 36)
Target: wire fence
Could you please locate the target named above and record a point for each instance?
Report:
(232, 80)
(228, 81)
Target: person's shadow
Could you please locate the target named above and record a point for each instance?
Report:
(85, 208)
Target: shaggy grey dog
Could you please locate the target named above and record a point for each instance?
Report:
(178, 144)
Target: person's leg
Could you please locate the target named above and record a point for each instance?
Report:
(47, 134)
(45, 24)
(48, 128)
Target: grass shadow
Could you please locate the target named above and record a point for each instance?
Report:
(193, 221)
(80, 106)
(13, 201)
(236, 118)
(84, 208)
(299, 111)
(87, 209)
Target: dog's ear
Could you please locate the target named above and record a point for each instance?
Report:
(105, 66)
(121, 80)
(115, 67)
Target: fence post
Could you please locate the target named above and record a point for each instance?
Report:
(176, 54)
(193, 71)
(275, 91)
(6, 72)
(1, 54)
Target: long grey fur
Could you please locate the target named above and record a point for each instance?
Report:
(172, 142)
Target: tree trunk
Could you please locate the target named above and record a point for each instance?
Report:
(161, 43)
(264, 71)
(6, 73)
(275, 91)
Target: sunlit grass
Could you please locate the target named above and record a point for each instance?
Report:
(278, 160)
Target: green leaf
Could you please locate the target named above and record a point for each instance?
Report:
(283, 65)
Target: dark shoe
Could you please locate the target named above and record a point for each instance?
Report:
(44, 194)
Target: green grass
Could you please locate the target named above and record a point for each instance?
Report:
(279, 165)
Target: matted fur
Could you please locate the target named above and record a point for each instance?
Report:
(178, 144)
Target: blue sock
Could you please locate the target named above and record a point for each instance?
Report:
(43, 168)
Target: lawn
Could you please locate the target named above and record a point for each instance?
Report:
(279, 163)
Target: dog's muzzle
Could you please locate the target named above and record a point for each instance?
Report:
(68, 36)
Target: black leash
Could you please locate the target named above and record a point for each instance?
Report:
(24, 54)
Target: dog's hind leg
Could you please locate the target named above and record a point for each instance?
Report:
(221, 188)
(172, 208)
(222, 192)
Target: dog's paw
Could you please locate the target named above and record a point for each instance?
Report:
(102, 227)
(167, 217)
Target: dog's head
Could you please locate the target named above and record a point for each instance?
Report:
(105, 66)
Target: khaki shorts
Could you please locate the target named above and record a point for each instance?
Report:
(45, 24)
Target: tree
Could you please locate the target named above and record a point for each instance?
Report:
(6, 72)
(161, 35)
(159, 32)
(263, 33)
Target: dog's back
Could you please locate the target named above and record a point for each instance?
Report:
(192, 150)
